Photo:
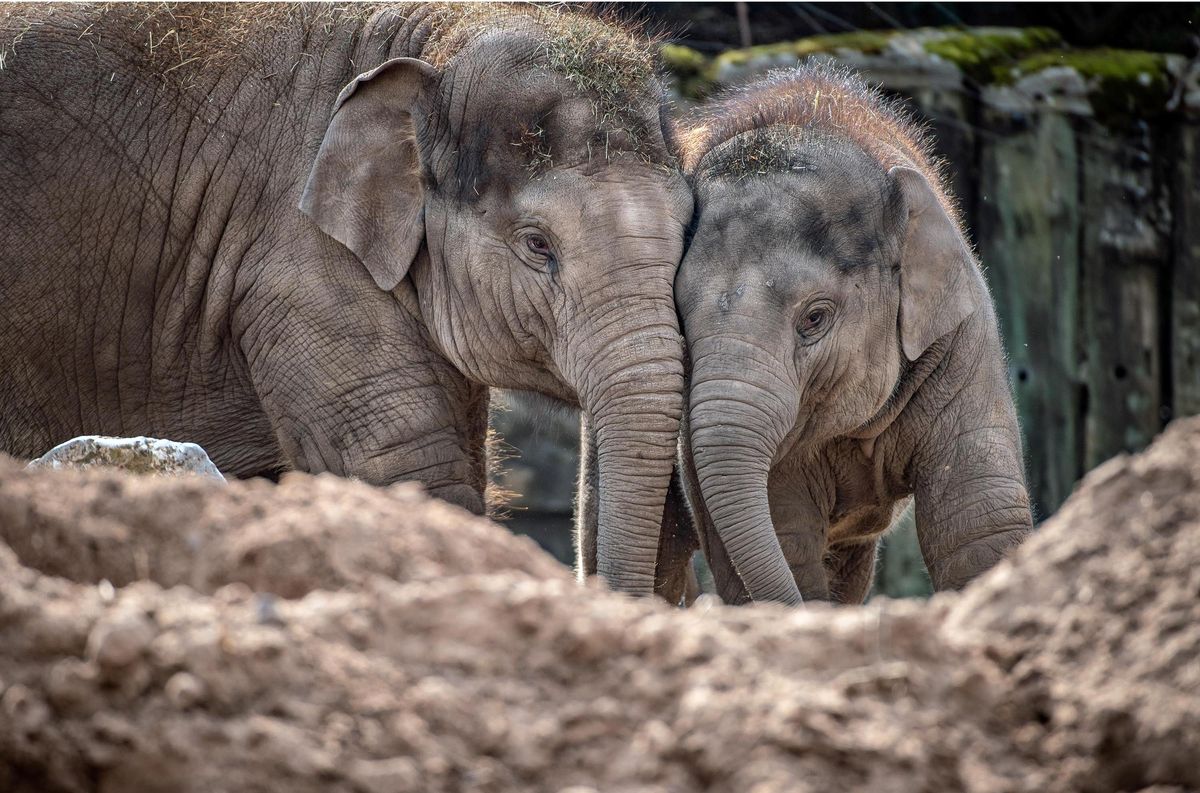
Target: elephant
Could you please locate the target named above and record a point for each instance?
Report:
(315, 236)
(844, 350)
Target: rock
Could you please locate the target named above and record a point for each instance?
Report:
(1095, 622)
(120, 642)
(138, 455)
(1058, 88)
(71, 685)
(24, 709)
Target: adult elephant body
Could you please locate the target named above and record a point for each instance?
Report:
(313, 237)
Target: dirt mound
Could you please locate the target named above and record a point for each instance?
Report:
(1095, 624)
(436, 652)
(306, 533)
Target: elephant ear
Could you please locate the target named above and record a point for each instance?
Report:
(364, 189)
(936, 288)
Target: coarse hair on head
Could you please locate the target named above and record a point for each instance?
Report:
(613, 63)
(757, 129)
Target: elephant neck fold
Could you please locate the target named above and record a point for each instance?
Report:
(912, 376)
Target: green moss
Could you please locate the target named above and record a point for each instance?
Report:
(979, 53)
(870, 42)
(976, 52)
(690, 68)
(1123, 85)
(681, 60)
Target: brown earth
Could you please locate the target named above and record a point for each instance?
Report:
(321, 635)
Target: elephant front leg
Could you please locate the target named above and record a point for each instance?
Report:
(726, 581)
(851, 570)
(346, 397)
(802, 528)
(801, 531)
(972, 505)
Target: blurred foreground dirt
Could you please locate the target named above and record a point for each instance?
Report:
(321, 635)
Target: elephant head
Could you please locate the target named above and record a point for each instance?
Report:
(816, 275)
(517, 177)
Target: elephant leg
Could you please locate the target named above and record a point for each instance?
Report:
(345, 397)
(851, 571)
(800, 526)
(967, 470)
(728, 584)
(801, 529)
(972, 507)
(810, 576)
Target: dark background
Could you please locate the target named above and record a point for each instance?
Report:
(713, 27)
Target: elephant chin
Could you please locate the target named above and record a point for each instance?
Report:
(732, 444)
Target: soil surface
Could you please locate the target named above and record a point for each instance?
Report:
(323, 635)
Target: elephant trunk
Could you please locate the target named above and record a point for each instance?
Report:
(633, 396)
(736, 427)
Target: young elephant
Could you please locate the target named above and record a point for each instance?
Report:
(489, 202)
(844, 349)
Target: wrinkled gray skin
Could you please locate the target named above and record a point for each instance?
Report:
(844, 356)
(158, 278)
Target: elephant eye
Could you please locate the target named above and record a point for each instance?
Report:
(538, 253)
(538, 244)
(814, 322)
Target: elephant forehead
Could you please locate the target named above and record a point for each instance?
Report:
(559, 92)
(627, 199)
(842, 222)
(505, 132)
(730, 285)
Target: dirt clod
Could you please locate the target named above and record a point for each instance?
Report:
(322, 635)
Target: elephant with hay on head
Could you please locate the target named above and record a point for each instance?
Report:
(314, 236)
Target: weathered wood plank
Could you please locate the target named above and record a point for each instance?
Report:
(1185, 280)
(1028, 238)
(1125, 254)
